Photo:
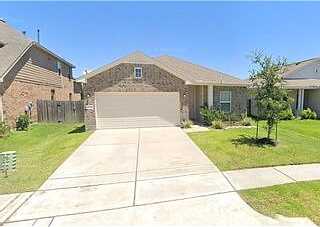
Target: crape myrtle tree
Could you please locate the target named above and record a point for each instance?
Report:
(267, 87)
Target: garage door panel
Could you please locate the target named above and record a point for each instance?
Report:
(137, 109)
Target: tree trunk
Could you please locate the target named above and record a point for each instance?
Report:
(269, 129)
(257, 130)
(276, 132)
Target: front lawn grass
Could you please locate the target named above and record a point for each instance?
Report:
(293, 200)
(299, 143)
(40, 151)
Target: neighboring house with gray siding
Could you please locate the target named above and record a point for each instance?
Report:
(28, 72)
(142, 91)
(302, 79)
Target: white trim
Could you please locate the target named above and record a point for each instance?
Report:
(134, 72)
(217, 84)
(95, 110)
(15, 62)
(229, 102)
(300, 99)
(210, 96)
(59, 67)
(202, 95)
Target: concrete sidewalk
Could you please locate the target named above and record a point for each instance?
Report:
(268, 176)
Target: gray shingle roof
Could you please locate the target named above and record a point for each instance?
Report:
(302, 84)
(294, 67)
(190, 73)
(198, 74)
(15, 44)
(297, 78)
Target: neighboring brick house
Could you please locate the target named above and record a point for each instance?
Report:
(29, 72)
(141, 91)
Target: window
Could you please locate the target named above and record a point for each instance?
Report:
(59, 67)
(70, 96)
(52, 94)
(69, 73)
(225, 101)
(137, 72)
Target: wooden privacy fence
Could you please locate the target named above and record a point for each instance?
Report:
(60, 111)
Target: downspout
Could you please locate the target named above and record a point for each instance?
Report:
(1, 104)
(1, 109)
(1, 101)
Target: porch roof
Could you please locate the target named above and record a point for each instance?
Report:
(302, 84)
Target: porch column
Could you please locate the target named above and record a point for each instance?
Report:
(202, 95)
(210, 95)
(300, 100)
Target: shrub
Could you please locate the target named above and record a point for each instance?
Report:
(308, 114)
(219, 115)
(286, 114)
(186, 124)
(209, 115)
(246, 121)
(243, 116)
(231, 117)
(23, 122)
(4, 129)
(218, 124)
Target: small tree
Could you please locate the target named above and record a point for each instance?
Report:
(270, 95)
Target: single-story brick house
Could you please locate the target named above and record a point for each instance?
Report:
(302, 79)
(28, 72)
(142, 91)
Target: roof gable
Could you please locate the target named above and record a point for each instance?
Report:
(307, 69)
(133, 58)
(15, 45)
(190, 73)
(136, 57)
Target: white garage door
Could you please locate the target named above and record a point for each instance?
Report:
(137, 109)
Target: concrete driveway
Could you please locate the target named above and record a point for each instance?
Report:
(136, 176)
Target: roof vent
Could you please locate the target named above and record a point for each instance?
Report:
(2, 20)
(2, 44)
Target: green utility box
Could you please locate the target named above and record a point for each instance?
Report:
(8, 161)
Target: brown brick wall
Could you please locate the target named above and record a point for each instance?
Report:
(32, 78)
(239, 97)
(19, 94)
(121, 79)
(238, 100)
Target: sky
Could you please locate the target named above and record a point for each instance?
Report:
(218, 35)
